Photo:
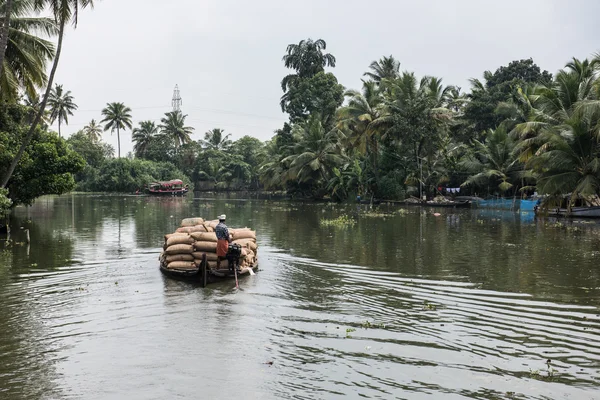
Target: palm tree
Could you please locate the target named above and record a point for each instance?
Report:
(7, 10)
(117, 116)
(63, 11)
(142, 137)
(361, 118)
(173, 126)
(385, 68)
(93, 131)
(215, 140)
(493, 163)
(307, 58)
(315, 155)
(560, 140)
(61, 106)
(26, 54)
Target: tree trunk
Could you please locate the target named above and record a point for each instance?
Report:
(5, 31)
(118, 142)
(40, 112)
(59, 127)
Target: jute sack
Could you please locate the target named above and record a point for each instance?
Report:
(179, 257)
(212, 223)
(243, 234)
(208, 247)
(180, 239)
(197, 228)
(249, 243)
(209, 256)
(180, 249)
(213, 264)
(181, 265)
(191, 221)
(204, 236)
(169, 235)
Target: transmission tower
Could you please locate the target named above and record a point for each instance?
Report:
(176, 99)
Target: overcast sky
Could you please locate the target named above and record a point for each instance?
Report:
(226, 55)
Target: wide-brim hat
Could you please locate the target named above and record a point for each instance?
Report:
(221, 217)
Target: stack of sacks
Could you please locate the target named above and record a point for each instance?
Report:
(195, 237)
(178, 249)
(247, 239)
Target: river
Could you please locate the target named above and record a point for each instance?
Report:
(403, 305)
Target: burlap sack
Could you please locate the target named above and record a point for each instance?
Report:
(169, 235)
(204, 236)
(197, 228)
(213, 264)
(181, 249)
(208, 247)
(183, 265)
(242, 234)
(212, 223)
(180, 239)
(185, 229)
(191, 221)
(209, 256)
(249, 243)
(179, 257)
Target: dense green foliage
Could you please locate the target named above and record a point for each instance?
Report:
(47, 165)
(518, 131)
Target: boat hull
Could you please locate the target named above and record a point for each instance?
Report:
(576, 212)
(204, 275)
(168, 193)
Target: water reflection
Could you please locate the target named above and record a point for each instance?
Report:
(406, 303)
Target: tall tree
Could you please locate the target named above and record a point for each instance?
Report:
(143, 136)
(560, 140)
(27, 53)
(173, 126)
(385, 68)
(93, 131)
(7, 12)
(117, 116)
(316, 154)
(61, 106)
(216, 140)
(307, 58)
(361, 119)
(310, 89)
(498, 87)
(63, 11)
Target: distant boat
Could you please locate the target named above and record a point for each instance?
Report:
(174, 187)
(576, 212)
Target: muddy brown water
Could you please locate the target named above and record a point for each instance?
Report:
(469, 304)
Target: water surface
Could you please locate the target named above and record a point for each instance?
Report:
(465, 305)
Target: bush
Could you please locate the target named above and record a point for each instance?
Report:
(5, 202)
(391, 187)
(124, 175)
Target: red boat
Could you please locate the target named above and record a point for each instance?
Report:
(168, 188)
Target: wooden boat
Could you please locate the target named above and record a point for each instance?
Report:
(204, 275)
(576, 212)
(451, 204)
(174, 187)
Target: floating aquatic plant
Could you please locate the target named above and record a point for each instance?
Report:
(339, 222)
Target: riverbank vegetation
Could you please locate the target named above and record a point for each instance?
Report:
(517, 131)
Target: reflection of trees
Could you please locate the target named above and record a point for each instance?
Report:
(515, 256)
(26, 363)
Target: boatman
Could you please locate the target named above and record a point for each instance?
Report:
(223, 240)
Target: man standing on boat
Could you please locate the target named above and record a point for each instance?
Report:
(223, 240)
